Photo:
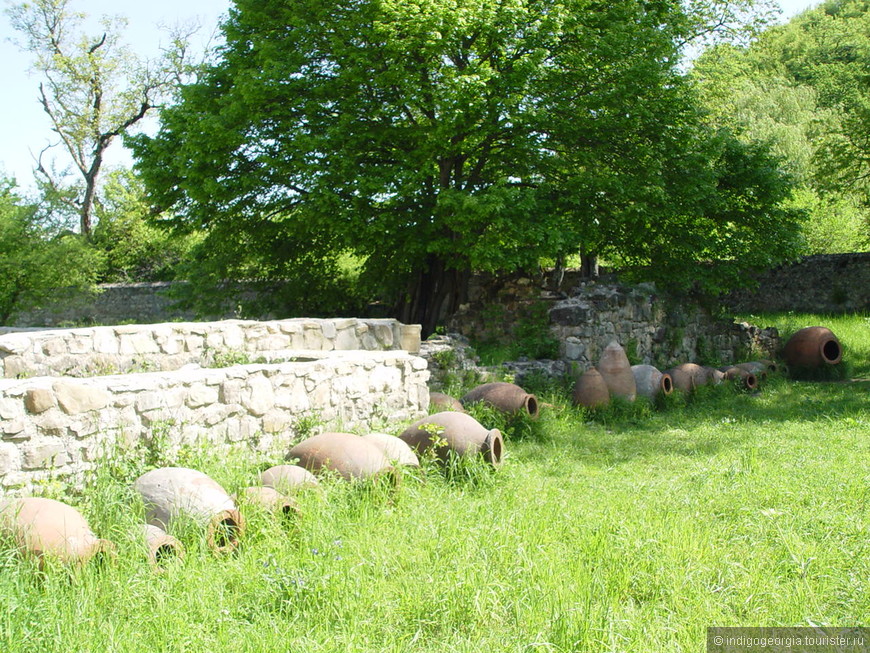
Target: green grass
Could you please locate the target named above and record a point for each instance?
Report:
(628, 530)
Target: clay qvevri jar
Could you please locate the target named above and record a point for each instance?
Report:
(288, 479)
(160, 546)
(171, 493)
(456, 432)
(757, 368)
(269, 500)
(747, 379)
(49, 529)
(813, 347)
(616, 372)
(439, 401)
(590, 390)
(395, 449)
(506, 397)
(688, 376)
(714, 376)
(651, 382)
(349, 455)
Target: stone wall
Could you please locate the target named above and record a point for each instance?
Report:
(652, 327)
(74, 396)
(62, 427)
(829, 283)
(143, 348)
(143, 303)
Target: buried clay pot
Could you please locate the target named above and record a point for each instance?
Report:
(172, 493)
(590, 390)
(747, 379)
(688, 376)
(49, 529)
(456, 432)
(651, 382)
(160, 546)
(395, 449)
(615, 369)
(288, 479)
(714, 376)
(439, 401)
(757, 368)
(813, 347)
(505, 397)
(269, 500)
(349, 455)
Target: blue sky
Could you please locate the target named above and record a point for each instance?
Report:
(24, 128)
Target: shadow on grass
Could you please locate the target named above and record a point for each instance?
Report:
(711, 421)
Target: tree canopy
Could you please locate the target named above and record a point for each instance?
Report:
(804, 88)
(429, 138)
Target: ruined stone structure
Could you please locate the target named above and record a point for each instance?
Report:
(60, 413)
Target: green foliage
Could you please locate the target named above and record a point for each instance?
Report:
(136, 248)
(835, 224)
(35, 261)
(430, 138)
(802, 88)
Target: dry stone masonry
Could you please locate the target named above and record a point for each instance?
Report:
(345, 374)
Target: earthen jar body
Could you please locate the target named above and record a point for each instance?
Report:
(457, 432)
(651, 382)
(170, 493)
(268, 499)
(747, 379)
(688, 376)
(506, 397)
(394, 449)
(615, 369)
(288, 479)
(757, 368)
(159, 545)
(349, 455)
(813, 347)
(439, 401)
(45, 528)
(590, 390)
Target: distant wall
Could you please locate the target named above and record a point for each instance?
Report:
(828, 283)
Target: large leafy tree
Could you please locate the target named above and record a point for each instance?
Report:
(428, 138)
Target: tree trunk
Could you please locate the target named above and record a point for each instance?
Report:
(434, 292)
(588, 265)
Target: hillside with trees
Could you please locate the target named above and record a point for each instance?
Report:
(804, 89)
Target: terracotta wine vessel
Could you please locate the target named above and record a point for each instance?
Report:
(591, 390)
(813, 347)
(651, 382)
(506, 397)
(616, 372)
(288, 479)
(159, 545)
(439, 401)
(456, 432)
(171, 493)
(395, 449)
(349, 455)
(49, 529)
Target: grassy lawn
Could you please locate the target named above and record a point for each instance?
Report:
(631, 530)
